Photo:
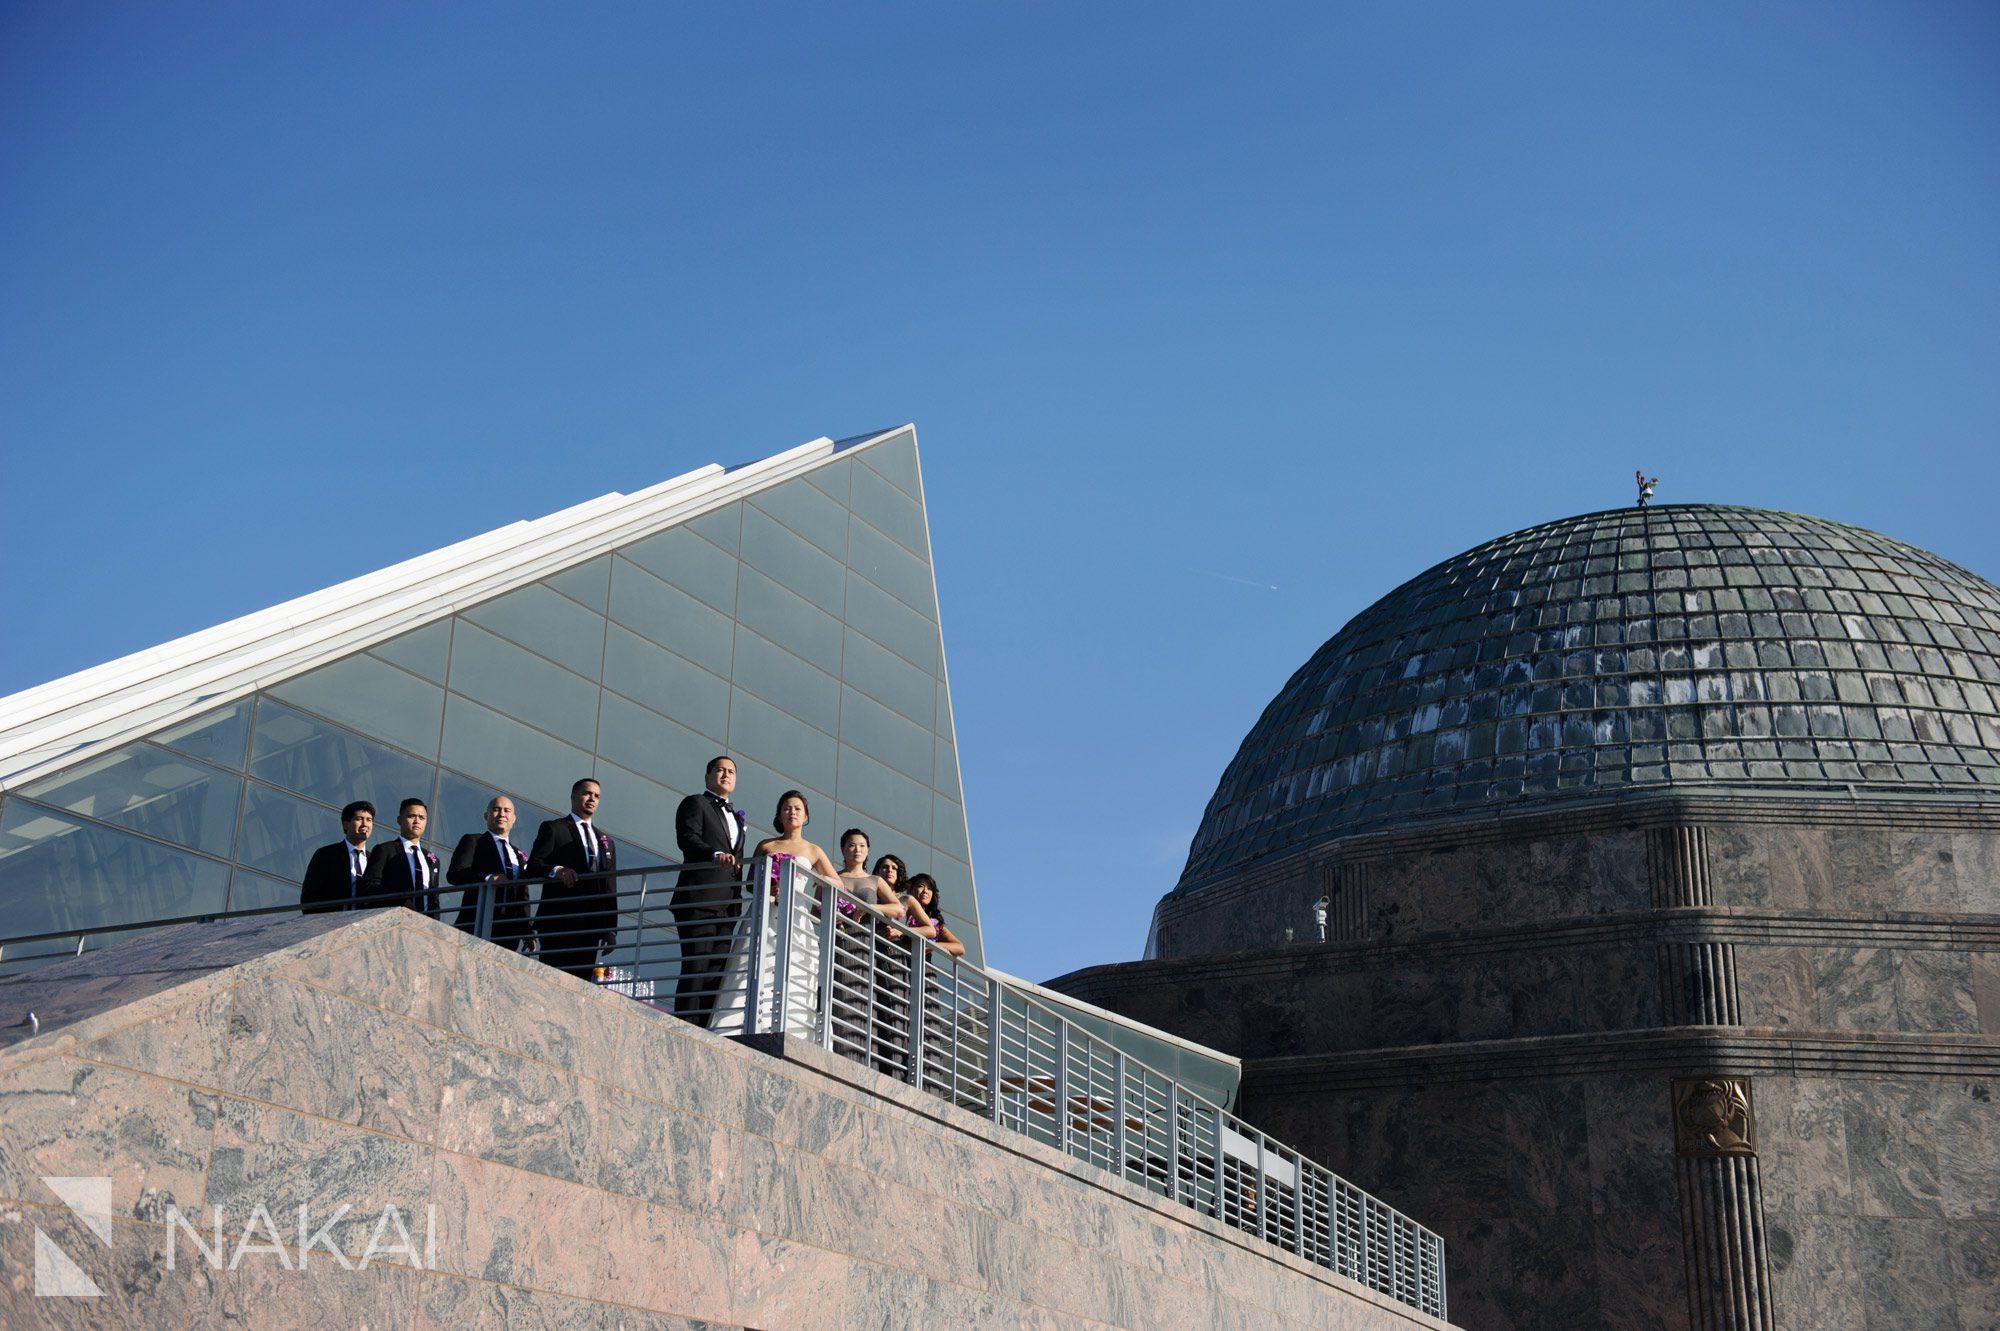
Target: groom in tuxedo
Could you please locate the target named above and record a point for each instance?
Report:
(579, 911)
(710, 833)
(489, 857)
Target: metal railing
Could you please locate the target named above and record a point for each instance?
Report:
(782, 950)
(819, 964)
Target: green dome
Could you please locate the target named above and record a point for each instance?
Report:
(1678, 648)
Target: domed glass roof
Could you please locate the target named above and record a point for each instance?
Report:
(1692, 646)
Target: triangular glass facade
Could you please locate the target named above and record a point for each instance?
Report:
(795, 628)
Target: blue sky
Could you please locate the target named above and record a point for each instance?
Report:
(1216, 322)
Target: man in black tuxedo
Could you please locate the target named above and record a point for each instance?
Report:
(489, 857)
(404, 865)
(710, 833)
(579, 910)
(334, 873)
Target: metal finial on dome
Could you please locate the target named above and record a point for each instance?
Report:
(1645, 486)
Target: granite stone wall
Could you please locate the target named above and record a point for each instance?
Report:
(559, 1156)
(1455, 876)
(1556, 1191)
(1491, 1036)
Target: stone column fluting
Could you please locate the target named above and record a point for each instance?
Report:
(1728, 1269)
(1677, 865)
(1346, 902)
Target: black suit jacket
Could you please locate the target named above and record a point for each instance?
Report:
(389, 871)
(701, 831)
(328, 884)
(586, 910)
(473, 862)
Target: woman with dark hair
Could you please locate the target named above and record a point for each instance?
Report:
(891, 870)
(927, 909)
(790, 843)
(862, 885)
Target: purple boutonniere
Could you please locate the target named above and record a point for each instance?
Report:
(604, 843)
(737, 814)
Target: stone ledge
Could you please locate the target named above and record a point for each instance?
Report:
(1679, 1051)
(1632, 812)
(1689, 924)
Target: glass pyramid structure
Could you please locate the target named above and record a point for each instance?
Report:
(783, 612)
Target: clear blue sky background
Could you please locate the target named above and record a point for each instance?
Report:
(1216, 322)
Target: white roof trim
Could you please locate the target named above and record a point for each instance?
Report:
(1057, 999)
(71, 719)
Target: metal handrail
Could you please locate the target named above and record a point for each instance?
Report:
(793, 952)
(912, 1010)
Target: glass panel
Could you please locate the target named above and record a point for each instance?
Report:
(788, 621)
(252, 891)
(888, 678)
(891, 623)
(57, 872)
(896, 458)
(890, 567)
(374, 698)
(682, 557)
(780, 739)
(670, 617)
(642, 740)
(777, 676)
(835, 479)
(589, 583)
(793, 562)
(872, 788)
(548, 623)
(636, 811)
(945, 774)
(807, 511)
(424, 652)
(219, 737)
(889, 510)
(721, 526)
(528, 764)
(332, 765)
(281, 831)
(653, 676)
(153, 791)
(948, 829)
(522, 685)
(883, 735)
(461, 808)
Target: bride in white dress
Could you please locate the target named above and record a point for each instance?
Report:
(790, 844)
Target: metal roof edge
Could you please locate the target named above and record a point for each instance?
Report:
(69, 719)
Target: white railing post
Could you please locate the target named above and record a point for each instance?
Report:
(1118, 1100)
(917, 977)
(482, 911)
(993, 1048)
(1174, 1142)
(751, 918)
(829, 936)
(1062, 1087)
